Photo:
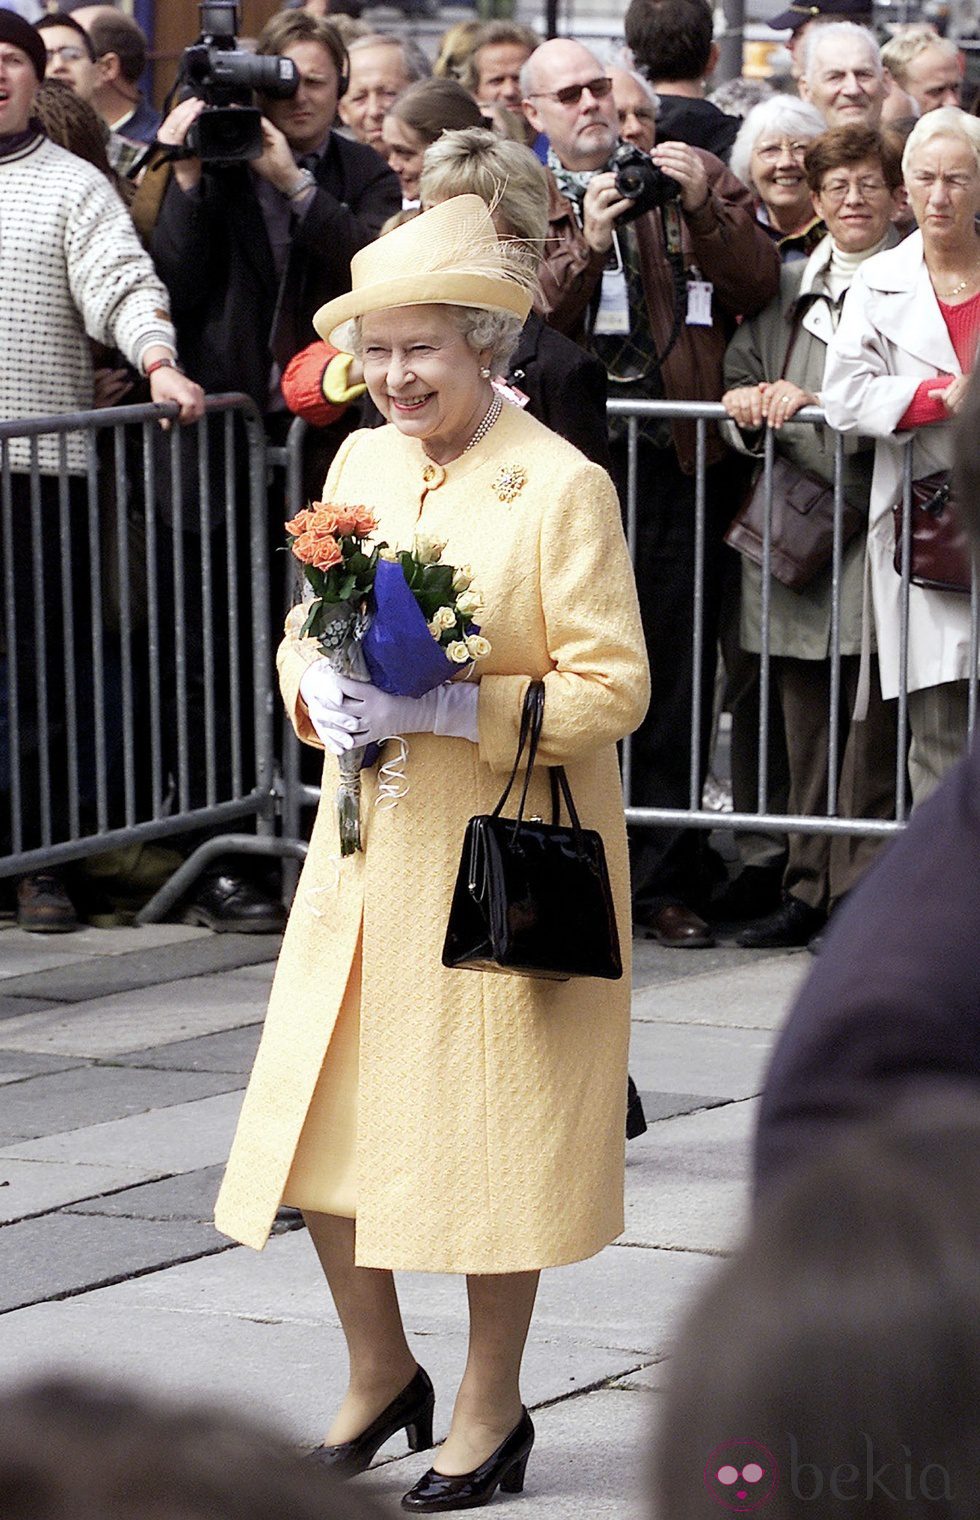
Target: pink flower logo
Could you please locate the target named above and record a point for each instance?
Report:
(741, 1475)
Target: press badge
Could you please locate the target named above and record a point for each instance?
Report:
(699, 293)
(613, 315)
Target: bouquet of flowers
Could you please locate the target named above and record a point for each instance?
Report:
(402, 619)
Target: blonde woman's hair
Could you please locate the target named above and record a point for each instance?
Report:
(455, 47)
(505, 175)
(947, 121)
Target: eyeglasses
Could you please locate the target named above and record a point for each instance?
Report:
(66, 54)
(572, 93)
(769, 152)
(837, 189)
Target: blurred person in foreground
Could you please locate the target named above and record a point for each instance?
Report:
(926, 66)
(768, 157)
(366, 1109)
(892, 1006)
(832, 1367)
(380, 69)
(417, 119)
(774, 366)
(843, 75)
(91, 1449)
(672, 43)
(70, 253)
(615, 290)
(898, 370)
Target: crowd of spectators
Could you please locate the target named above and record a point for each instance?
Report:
(734, 290)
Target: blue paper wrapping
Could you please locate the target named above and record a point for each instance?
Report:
(402, 656)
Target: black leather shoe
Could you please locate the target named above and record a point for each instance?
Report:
(755, 891)
(678, 928)
(636, 1119)
(793, 924)
(411, 1411)
(43, 905)
(228, 905)
(436, 1491)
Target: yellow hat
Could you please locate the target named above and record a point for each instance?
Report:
(450, 256)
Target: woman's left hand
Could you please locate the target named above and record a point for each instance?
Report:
(952, 396)
(380, 715)
(783, 400)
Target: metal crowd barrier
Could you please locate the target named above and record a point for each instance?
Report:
(136, 667)
(137, 683)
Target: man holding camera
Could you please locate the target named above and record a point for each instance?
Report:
(669, 267)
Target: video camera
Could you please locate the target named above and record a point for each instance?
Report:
(639, 179)
(229, 129)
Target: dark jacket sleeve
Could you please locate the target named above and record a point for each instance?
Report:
(729, 247)
(893, 1003)
(189, 242)
(371, 193)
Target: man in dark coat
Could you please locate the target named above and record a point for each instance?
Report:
(672, 44)
(892, 1006)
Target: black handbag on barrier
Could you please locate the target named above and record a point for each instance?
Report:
(533, 898)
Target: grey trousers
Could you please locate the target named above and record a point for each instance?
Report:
(821, 867)
(937, 722)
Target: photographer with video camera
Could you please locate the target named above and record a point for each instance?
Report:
(674, 256)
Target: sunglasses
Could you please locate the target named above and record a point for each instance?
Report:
(572, 93)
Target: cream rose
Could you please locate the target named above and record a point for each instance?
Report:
(444, 619)
(469, 604)
(463, 579)
(458, 652)
(428, 550)
(478, 646)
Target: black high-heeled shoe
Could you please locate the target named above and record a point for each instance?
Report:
(411, 1411)
(505, 1470)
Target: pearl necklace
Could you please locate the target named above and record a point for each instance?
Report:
(944, 295)
(493, 412)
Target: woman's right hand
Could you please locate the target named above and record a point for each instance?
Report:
(952, 395)
(321, 690)
(744, 406)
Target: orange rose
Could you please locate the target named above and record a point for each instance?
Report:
(300, 523)
(358, 521)
(318, 549)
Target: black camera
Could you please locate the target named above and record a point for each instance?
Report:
(638, 178)
(229, 129)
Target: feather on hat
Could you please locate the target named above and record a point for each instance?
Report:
(449, 256)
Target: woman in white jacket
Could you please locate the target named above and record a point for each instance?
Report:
(897, 369)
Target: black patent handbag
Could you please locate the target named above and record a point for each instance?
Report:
(533, 898)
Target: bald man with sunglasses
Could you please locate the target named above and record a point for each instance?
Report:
(608, 282)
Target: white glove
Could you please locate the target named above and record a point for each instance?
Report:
(320, 689)
(449, 710)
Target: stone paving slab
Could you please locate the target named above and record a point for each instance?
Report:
(656, 965)
(24, 1063)
(114, 1025)
(732, 1063)
(189, 1196)
(22, 954)
(63, 1253)
(14, 1007)
(36, 1187)
(231, 1050)
(667, 1105)
(176, 1139)
(687, 1181)
(71, 1100)
(621, 1298)
(755, 996)
(291, 1373)
(589, 1460)
(82, 980)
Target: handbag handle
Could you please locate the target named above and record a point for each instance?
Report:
(532, 717)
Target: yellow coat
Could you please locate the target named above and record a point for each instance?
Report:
(490, 1107)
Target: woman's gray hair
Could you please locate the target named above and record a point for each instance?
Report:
(498, 331)
(947, 121)
(782, 114)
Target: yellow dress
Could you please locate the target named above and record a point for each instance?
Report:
(489, 1109)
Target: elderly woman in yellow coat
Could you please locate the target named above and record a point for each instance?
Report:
(426, 1119)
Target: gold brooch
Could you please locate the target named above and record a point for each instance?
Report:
(511, 479)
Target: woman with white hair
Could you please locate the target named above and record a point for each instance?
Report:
(767, 155)
(898, 370)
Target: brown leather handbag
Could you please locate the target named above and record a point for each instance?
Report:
(940, 552)
(802, 542)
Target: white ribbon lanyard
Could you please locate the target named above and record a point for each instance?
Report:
(613, 315)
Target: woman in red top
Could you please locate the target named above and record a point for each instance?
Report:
(898, 369)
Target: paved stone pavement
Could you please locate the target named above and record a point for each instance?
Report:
(123, 1054)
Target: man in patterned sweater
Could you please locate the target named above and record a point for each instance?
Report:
(71, 268)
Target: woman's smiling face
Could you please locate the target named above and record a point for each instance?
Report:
(423, 375)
